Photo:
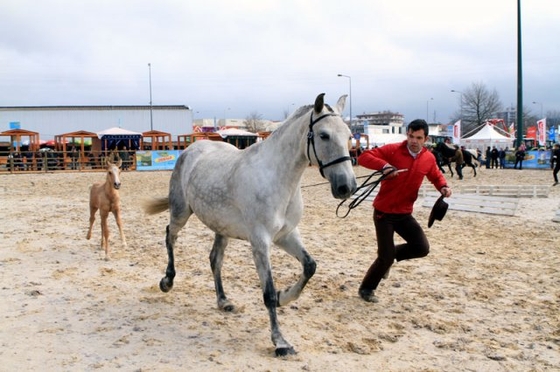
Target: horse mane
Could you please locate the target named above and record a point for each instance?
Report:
(296, 115)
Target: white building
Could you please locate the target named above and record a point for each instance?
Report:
(50, 121)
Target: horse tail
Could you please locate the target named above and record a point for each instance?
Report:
(156, 205)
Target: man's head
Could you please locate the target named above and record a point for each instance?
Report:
(416, 135)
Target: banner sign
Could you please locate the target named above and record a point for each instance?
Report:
(156, 160)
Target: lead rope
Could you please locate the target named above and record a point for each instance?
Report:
(367, 188)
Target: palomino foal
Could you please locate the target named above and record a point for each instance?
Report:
(105, 197)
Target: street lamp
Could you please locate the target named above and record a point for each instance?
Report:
(539, 103)
(151, 116)
(350, 94)
(457, 91)
(428, 109)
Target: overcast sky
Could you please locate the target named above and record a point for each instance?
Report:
(232, 58)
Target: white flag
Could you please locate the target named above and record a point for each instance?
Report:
(541, 131)
(457, 132)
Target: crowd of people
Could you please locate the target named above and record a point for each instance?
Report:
(73, 159)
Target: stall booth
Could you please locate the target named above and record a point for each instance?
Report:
(184, 140)
(156, 140)
(12, 156)
(79, 149)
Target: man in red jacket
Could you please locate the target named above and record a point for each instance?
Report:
(405, 165)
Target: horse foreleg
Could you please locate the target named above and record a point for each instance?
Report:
(117, 214)
(262, 262)
(216, 261)
(450, 169)
(105, 233)
(292, 245)
(92, 211)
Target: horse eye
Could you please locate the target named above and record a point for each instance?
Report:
(324, 136)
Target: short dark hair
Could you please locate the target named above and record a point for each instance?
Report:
(418, 124)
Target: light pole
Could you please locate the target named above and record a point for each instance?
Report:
(457, 91)
(428, 109)
(539, 103)
(350, 100)
(151, 115)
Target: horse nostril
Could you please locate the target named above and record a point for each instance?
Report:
(343, 190)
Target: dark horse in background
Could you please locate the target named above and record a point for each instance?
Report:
(446, 154)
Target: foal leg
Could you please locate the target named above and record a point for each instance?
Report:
(92, 212)
(292, 244)
(261, 256)
(117, 214)
(216, 262)
(105, 233)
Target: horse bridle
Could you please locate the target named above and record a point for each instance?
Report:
(311, 141)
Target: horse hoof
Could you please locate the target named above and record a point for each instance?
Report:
(283, 351)
(165, 285)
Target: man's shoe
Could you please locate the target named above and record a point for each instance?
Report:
(368, 295)
(555, 183)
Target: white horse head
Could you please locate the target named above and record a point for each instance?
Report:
(327, 147)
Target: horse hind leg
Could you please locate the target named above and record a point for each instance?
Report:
(216, 262)
(177, 221)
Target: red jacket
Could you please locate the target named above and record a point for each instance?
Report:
(397, 195)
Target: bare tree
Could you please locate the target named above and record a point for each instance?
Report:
(478, 105)
(254, 122)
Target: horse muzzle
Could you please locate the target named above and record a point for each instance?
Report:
(342, 185)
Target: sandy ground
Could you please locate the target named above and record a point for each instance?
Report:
(487, 298)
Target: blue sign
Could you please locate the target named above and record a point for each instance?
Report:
(552, 134)
(15, 125)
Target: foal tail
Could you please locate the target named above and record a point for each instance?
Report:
(156, 205)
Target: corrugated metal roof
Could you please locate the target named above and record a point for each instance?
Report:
(111, 107)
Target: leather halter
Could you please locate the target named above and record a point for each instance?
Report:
(311, 141)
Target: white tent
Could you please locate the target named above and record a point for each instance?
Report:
(385, 138)
(235, 132)
(487, 136)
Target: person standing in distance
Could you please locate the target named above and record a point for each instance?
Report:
(405, 165)
(555, 163)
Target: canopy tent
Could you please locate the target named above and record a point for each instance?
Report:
(156, 140)
(117, 138)
(16, 141)
(488, 136)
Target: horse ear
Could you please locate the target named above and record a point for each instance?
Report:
(341, 103)
(319, 103)
(119, 163)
